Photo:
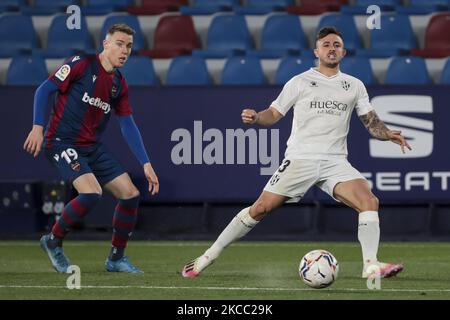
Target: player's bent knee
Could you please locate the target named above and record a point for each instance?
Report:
(131, 193)
(261, 209)
(370, 203)
(97, 191)
(135, 193)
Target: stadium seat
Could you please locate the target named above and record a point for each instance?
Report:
(139, 71)
(282, 34)
(358, 67)
(17, 35)
(102, 7)
(228, 34)
(132, 21)
(207, 7)
(437, 44)
(346, 24)
(361, 6)
(188, 70)
(11, 5)
(423, 7)
(407, 70)
(48, 7)
(62, 42)
(26, 70)
(290, 67)
(263, 6)
(396, 37)
(44, 3)
(445, 76)
(174, 35)
(242, 71)
(155, 7)
(427, 3)
(314, 7)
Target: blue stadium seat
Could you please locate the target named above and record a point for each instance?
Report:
(43, 3)
(227, 35)
(396, 37)
(17, 35)
(63, 42)
(424, 6)
(26, 70)
(139, 71)
(445, 76)
(207, 7)
(428, 3)
(48, 7)
(380, 3)
(282, 34)
(346, 24)
(358, 67)
(407, 70)
(242, 71)
(188, 70)
(292, 66)
(361, 6)
(102, 7)
(132, 21)
(263, 6)
(11, 5)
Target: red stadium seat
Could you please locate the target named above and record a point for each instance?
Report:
(437, 41)
(155, 7)
(313, 7)
(174, 35)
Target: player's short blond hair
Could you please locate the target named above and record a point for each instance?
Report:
(121, 27)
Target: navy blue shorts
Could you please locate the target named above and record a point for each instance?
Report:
(73, 162)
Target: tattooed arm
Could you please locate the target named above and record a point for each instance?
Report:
(378, 130)
(375, 126)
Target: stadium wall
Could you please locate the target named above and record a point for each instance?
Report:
(209, 164)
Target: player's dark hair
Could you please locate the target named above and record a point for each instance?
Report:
(121, 27)
(326, 31)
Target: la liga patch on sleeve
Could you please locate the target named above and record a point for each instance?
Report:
(63, 72)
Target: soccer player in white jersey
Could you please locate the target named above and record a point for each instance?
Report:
(323, 99)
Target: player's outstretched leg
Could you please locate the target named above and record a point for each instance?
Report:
(125, 216)
(241, 224)
(73, 212)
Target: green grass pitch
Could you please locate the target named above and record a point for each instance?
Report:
(246, 270)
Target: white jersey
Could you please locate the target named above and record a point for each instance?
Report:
(322, 112)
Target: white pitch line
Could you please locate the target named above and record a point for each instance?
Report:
(223, 288)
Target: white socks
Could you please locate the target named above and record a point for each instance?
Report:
(241, 224)
(369, 235)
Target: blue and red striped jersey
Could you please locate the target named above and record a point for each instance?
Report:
(86, 95)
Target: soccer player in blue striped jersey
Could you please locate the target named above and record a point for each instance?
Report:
(88, 89)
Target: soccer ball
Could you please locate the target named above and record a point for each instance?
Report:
(318, 269)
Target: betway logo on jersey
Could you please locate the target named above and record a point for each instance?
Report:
(96, 102)
(234, 146)
(419, 132)
(328, 107)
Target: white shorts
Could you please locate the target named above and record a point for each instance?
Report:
(294, 177)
